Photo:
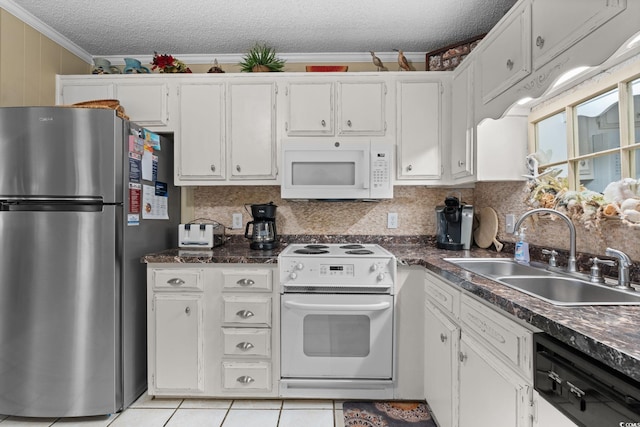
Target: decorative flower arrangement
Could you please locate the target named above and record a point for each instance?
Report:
(620, 200)
(168, 64)
(261, 58)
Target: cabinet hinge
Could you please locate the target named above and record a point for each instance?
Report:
(286, 126)
(384, 87)
(385, 126)
(276, 88)
(286, 91)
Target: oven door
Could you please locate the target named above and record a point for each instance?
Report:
(337, 336)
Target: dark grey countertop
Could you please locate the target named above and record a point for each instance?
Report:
(610, 334)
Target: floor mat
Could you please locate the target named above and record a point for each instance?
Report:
(386, 414)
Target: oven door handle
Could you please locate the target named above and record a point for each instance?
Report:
(339, 307)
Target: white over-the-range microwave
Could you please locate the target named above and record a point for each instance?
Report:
(335, 169)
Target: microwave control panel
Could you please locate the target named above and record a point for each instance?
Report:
(381, 171)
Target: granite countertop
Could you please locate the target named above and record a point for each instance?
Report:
(607, 333)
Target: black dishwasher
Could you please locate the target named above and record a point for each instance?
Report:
(588, 392)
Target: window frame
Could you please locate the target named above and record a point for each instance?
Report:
(620, 77)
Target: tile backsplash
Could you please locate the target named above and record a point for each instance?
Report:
(415, 206)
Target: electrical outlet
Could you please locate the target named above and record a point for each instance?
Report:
(510, 223)
(392, 220)
(237, 221)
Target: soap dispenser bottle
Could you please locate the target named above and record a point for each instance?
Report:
(522, 248)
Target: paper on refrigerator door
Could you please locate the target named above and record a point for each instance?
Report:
(154, 206)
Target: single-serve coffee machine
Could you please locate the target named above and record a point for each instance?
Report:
(264, 235)
(454, 225)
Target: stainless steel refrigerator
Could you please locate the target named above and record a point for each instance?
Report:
(81, 200)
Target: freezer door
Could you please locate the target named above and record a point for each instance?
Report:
(59, 312)
(61, 152)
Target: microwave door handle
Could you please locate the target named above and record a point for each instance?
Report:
(339, 307)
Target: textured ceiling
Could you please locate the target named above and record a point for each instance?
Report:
(198, 27)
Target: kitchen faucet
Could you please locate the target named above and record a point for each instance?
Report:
(571, 264)
(624, 262)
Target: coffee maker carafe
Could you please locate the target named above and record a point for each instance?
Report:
(454, 224)
(263, 235)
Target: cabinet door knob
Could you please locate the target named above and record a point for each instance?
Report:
(245, 379)
(245, 282)
(462, 357)
(244, 346)
(460, 163)
(540, 42)
(238, 168)
(410, 168)
(213, 168)
(509, 64)
(244, 314)
(349, 123)
(323, 123)
(443, 338)
(188, 311)
(176, 281)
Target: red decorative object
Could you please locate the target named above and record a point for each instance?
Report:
(168, 64)
(327, 68)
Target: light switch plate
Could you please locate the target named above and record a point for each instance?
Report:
(510, 223)
(392, 220)
(237, 221)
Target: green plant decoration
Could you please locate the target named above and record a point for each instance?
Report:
(261, 58)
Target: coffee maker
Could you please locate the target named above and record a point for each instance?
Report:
(454, 225)
(264, 235)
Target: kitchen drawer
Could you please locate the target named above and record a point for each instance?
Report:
(246, 376)
(508, 340)
(443, 295)
(252, 280)
(247, 342)
(249, 310)
(178, 280)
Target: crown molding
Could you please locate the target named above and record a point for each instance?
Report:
(306, 58)
(45, 29)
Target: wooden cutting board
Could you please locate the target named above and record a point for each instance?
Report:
(487, 230)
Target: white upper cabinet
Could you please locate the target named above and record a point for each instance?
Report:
(505, 57)
(361, 108)
(557, 25)
(463, 135)
(310, 108)
(251, 127)
(146, 103)
(418, 129)
(199, 143)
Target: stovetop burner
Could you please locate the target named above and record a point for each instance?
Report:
(352, 246)
(359, 252)
(311, 251)
(316, 246)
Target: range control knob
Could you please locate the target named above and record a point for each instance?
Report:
(375, 267)
(299, 266)
(293, 275)
(380, 277)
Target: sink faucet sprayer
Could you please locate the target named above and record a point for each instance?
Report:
(571, 264)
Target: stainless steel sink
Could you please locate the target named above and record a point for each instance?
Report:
(496, 267)
(553, 287)
(569, 291)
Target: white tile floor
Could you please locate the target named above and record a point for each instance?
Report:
(148, 412)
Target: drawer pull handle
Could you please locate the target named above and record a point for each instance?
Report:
(238, 168)
(443, 338)
(188, 311)
(462, 357)
(245, 346)
(409, 168)
(349, 123)
(213, 168)
(540, 42)
(245, 379)
(245, 282)
(323, 123)
(245, 314)
(176, 281)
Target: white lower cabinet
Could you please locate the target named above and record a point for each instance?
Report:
(478, 362)
(175, 332)
(210, 331)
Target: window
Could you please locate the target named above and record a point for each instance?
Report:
(592, 136)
